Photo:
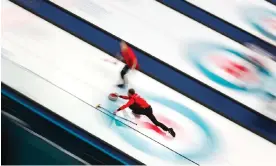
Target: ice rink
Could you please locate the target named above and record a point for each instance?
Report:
(174, 39)
(71, 77)
(253, 16)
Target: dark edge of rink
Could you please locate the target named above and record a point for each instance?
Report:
(219, 25)
(150, 75)
(35, 148)
(58, 127)
(273, 2)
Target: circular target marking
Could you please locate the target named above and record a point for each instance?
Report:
(194, 138)
(228, 67)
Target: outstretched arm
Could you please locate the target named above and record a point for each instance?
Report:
(124, 97)
(130, 102)
(119, 57)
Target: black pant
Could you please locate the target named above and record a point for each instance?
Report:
(147, 112)
(124, 72)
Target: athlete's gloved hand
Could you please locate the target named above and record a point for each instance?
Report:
(115, 112)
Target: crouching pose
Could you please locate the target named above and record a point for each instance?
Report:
(139, 106)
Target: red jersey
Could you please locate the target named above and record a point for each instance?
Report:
(134, 99)
(129, 57)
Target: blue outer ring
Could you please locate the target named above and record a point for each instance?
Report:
(197, 51)
(209, 145)
(252, 16)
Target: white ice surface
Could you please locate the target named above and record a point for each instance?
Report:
(34, 51)
(168, 36)
(232, 12)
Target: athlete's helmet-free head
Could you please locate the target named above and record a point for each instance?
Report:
(123, 45)
(131, 92)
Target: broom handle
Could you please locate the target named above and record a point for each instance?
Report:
(99, 106)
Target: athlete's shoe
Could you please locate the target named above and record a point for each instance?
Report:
(121, 85)
(171, 132)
